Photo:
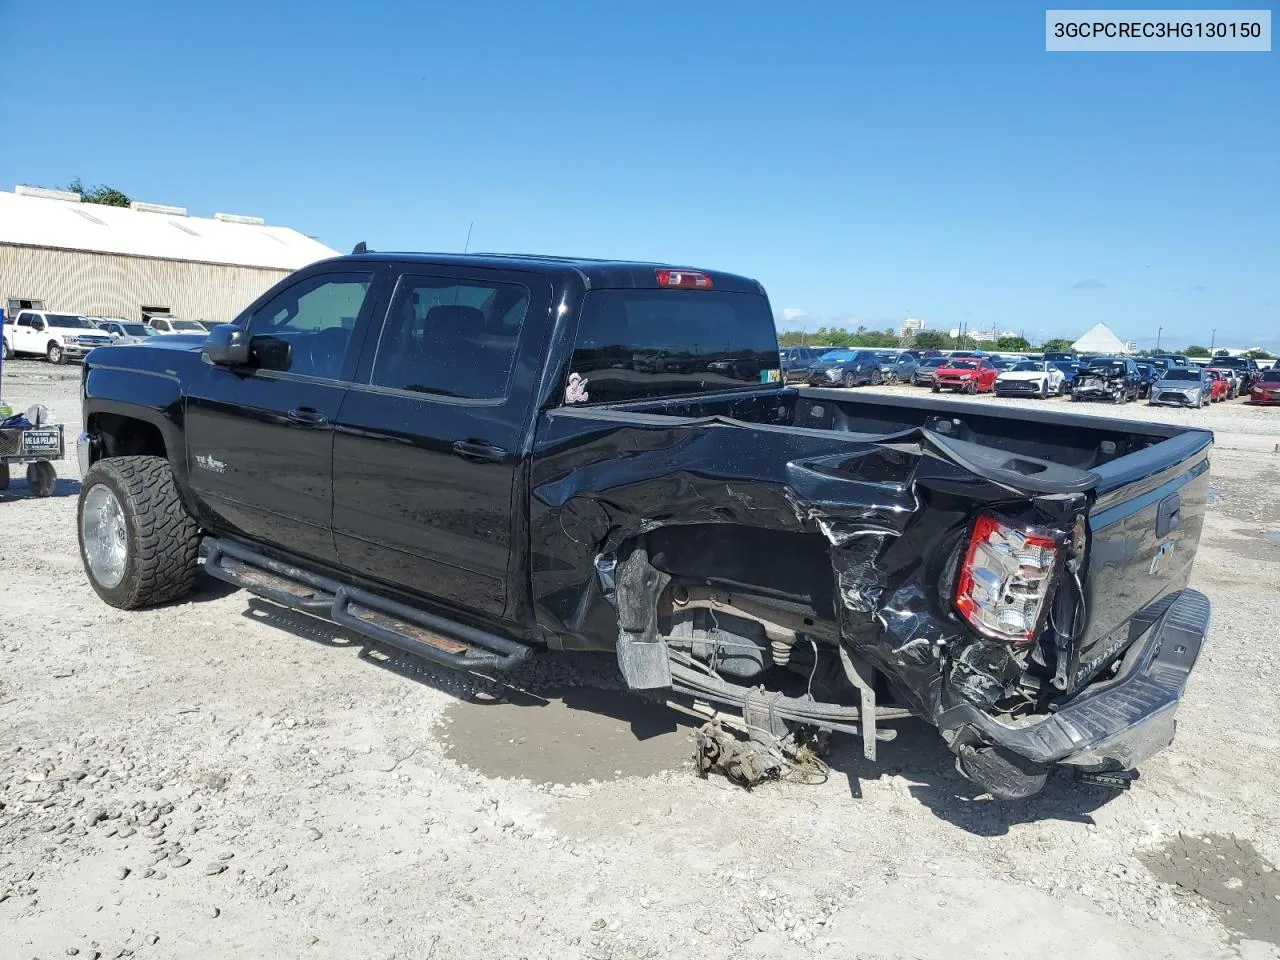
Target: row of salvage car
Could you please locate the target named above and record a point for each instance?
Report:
(1166, 380)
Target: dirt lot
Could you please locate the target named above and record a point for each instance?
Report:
(222, 779)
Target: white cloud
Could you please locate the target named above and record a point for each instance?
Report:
(792, 313)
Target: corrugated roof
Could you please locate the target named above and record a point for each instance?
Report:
(41, 222)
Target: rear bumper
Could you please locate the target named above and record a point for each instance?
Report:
(1119, 722)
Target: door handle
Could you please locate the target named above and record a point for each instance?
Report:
(307, 416)
(478, 451)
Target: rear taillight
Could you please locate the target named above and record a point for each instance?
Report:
(684, 279)
(1007, 578)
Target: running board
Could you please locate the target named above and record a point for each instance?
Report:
(398, 625)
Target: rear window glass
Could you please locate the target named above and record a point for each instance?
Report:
(634, 344)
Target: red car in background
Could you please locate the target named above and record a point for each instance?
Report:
(967, 375)
(1220, 384)
(1266, 389)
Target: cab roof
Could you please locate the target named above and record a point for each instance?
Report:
(593, 273)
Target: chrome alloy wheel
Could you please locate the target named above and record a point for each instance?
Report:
(105, 536)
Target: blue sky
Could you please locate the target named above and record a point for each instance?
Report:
(866, 162)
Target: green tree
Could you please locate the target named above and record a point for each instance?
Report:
(932, 340)
(108, 196)
(793, 338)
(1012, 343)
(1261, 355)
(1195, 350)
(1221, 353)
(1057, 345)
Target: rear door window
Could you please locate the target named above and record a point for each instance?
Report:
(634, 344)
(451, 337)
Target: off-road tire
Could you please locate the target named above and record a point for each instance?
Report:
(163, 540)
(42, 478)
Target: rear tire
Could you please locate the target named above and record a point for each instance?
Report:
(160, 541)
(41, 478)
(8, 351)
(54, 353)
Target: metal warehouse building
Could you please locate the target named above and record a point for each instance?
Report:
(57, 253)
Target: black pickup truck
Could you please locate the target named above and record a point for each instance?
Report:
(473, 458)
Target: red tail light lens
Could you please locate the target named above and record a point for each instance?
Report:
(684, 279)
(1007, 578)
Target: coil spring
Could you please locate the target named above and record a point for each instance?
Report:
(781, 650)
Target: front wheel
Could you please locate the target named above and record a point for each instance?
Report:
(138, 543)
(1044, 390)
(849, 380)
(877, 378)
(972, 388)
(54, 353)
(935, 388)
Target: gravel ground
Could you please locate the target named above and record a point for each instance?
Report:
(221, 779)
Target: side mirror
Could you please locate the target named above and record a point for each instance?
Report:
(227, 346)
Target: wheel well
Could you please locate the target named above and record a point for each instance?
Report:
(121, 436)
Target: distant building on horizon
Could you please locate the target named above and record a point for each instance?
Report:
(911, 326)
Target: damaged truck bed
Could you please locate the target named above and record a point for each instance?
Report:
(639, 481)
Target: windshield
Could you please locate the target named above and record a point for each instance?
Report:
(190, 325)
(933, 361)
(68, 320)
(633, 344)
(962, 365)
(1027, 366)
(1181, 373)
(839, 355)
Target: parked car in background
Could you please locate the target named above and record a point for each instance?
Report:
(1030, 378)
(1149, 373)
(208, 324)
(1245, 370)
(968, 375)
(845, 368)
(925, 370)
(1173, 359)
(1181, 387)
(1219, 385)
(166, 326)
(796, 362)
(1266, 388)
(1069, 370)
(895, 367)
(1233, 380)
(58, 336)
(124, 331)
(1062, 356)
(1107, 378)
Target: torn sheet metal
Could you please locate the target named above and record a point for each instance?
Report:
(718, 499)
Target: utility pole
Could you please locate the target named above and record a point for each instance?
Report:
(1159, 331)
(1213, 338)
